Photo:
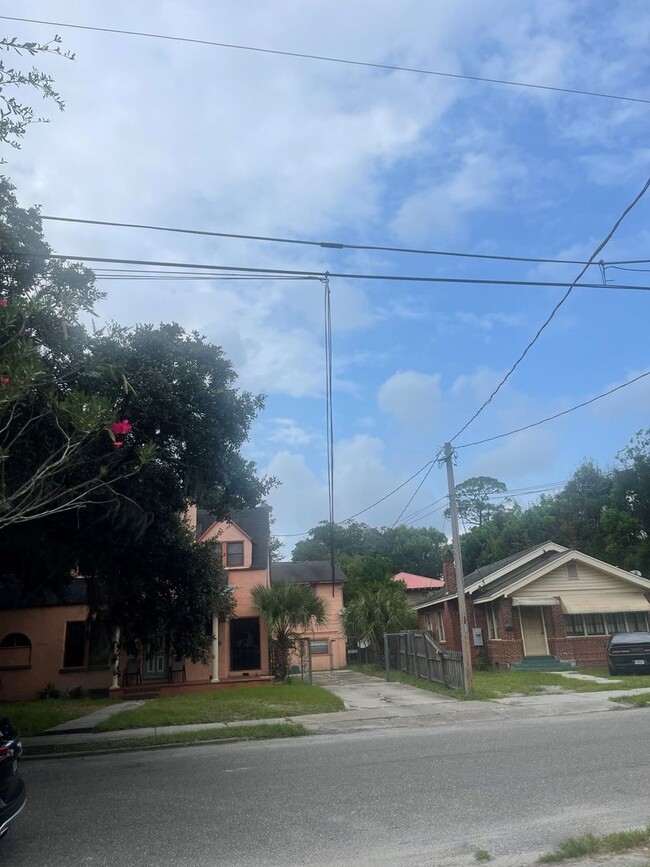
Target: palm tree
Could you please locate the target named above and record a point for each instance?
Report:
(375, 612)
(287, 609)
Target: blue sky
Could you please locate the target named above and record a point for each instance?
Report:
(199, 137)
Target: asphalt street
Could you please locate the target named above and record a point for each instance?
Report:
(387, 797)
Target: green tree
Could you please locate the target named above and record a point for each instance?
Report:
(287, 609)
(364, 572)
(373, 613)
(473, 497)
(15, 116)
(409, 549)
(51, 416)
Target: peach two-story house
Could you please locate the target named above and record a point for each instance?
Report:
(50, 640)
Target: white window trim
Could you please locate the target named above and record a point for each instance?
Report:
(492, 620)
(440, 626)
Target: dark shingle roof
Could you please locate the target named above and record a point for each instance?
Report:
(474, 579)
(254, 522)
(484, 571)
(517, 574)
(306, 572)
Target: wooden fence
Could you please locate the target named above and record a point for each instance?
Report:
(417, 653)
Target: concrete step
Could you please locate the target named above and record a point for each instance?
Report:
(542, 663)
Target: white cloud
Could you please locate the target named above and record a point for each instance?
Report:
(410, 397)
(521, 457)
(289, 432)
(479, 181)
(633, 400)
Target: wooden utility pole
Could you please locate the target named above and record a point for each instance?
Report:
(460, 579)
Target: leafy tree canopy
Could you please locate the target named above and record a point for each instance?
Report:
(473, 498)
(181, 444)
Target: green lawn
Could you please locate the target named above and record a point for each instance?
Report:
(500, 684)
(227, 705)
(34, 717)
(590, 844)
(249, 733)
(640, 700)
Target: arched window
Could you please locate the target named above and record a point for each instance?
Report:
(15, 651)
(15, 639)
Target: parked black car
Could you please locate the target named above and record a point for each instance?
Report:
(629, 653)
(13, 794)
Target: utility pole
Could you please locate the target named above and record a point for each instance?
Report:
(460, 578)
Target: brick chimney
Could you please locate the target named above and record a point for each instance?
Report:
(449, 572)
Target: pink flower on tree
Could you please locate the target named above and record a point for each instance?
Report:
(4, 302)
(121, 428)
(117, 444)
(4, 380)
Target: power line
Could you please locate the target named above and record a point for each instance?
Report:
(283, 273)
(415, 492)
(327, 59)
(557, 414)
(330, 245)
(559, 304)
(367, 508)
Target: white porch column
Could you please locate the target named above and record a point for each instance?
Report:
(115, 643)
(215, 649)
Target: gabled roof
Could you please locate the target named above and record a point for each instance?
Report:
(484, 572)
(254, 523)
(512, 573)
(306, 572)
(418, 582)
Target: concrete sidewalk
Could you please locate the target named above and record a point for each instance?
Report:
(374, 704)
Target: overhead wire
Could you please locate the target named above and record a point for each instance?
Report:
(330, 59)
(415, 492)
(555, 415)
(283, 273)
(329, 403)
(329, 245)
(555, 309)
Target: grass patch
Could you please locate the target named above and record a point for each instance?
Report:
(35, 717)
(590, 844)
(227, 705)
(500, 684)
(249, 733)
(482, 855)
(640, 700)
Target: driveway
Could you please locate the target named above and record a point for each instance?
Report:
(363, 692)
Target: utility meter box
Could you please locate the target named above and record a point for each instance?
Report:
(477, 635)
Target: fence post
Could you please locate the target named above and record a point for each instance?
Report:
(445, 679)
(386, 657)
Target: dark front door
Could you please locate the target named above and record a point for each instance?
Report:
(156, 663)
(244, 643)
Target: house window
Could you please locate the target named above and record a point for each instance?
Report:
(234, 553)
(492, 620)
(572, 569)
(440, 625)
(608, 624)
(75, 644)
(594, 624)
(573, 624)
(15, 639)
(637, 621)
(319, 646)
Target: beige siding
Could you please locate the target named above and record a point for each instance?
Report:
(589, 581)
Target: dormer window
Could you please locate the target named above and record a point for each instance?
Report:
(234, 554)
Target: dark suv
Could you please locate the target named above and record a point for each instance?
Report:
(629, 653)
(12, 788)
